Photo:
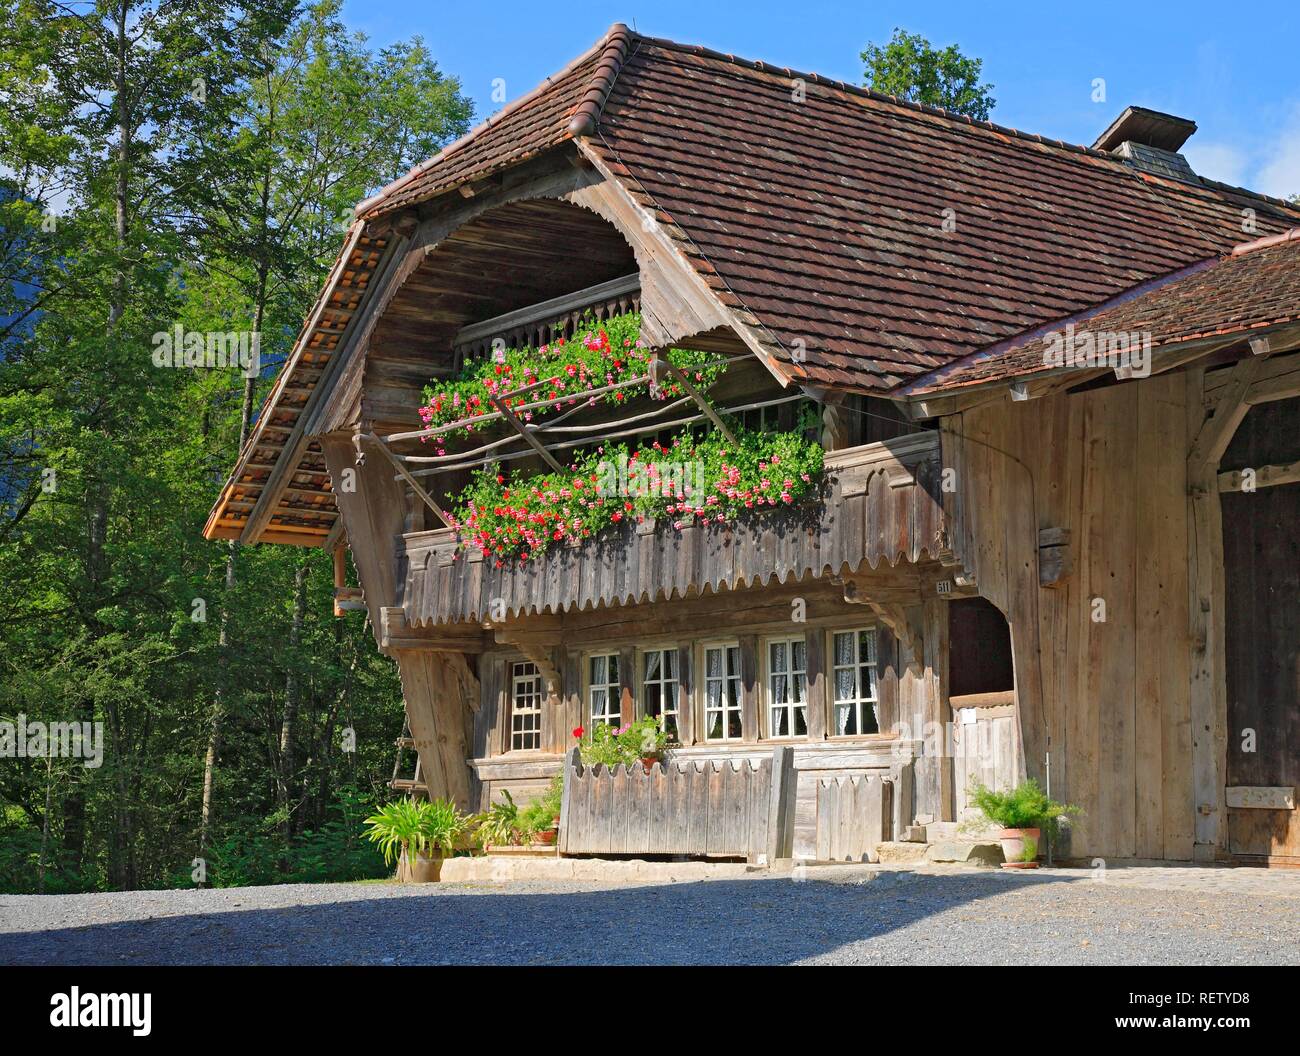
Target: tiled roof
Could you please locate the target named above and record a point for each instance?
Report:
(862, 240)
(881, 238)
(305, 512)
(825, 216)
(1251, 289)
(544, 118)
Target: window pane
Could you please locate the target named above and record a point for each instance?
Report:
(652, 664)
(653, 704)
(844, 686)
(844, 648)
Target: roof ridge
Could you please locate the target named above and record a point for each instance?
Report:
(586, 115)
(1241, 250)
(604, 44)
(882, 97)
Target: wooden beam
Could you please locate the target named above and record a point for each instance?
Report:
(406, 476)
(658, 363)
(513, 421)
(1263, 477)
(546, 311)
(1216, 433)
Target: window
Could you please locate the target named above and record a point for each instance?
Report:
(659, 687)
(526, 696)
(603, 689)
(722, 693)
(857, 708)
(787, 688)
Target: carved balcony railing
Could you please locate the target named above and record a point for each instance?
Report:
(880, 502)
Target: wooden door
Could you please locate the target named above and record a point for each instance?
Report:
(1261, 554)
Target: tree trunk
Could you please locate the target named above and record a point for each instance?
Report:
(287, 766)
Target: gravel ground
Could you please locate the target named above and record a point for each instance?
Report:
(841, 917)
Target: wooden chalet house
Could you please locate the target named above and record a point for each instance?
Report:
(1087, 568)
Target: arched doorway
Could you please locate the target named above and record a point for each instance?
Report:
(1261, 557)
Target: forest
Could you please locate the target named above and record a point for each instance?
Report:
(179, 167)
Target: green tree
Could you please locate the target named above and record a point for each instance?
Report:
(144, 187)
(911, 68)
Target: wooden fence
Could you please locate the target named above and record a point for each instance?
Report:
(711, 807)
(854, 813)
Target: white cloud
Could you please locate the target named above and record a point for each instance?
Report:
(1279, 170)
(1218, 161)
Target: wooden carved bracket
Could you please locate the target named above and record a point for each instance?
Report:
(892, 616)
(537, 647)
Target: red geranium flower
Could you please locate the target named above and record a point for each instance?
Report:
(578, 731)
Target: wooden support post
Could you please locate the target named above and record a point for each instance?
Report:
(340, 578)
(532, 441)
(1210, 437)
(438, 711)
(658, 364)
(406, 476)
(781, 805)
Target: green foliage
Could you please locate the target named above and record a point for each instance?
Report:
(332, 853)
(1024, 807)
(542, 813)
(215, 214)
(625, 746)
(910, 68)
(692, 478)
(432, 827)
(499, 825)
(599, 354)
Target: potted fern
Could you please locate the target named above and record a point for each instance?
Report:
(499, 825)
(418, 835)
(1023, 812)
(540, 820)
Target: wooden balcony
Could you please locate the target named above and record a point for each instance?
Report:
(881, 502)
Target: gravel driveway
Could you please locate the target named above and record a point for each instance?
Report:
(839, 917)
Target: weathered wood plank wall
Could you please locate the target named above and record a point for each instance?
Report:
(1102, 657)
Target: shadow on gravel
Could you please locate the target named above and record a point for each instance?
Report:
(772, 921)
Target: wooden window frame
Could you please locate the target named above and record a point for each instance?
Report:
(642, 697)
(765, 681)
(615, 687)
(703, 679)
(513, 680)
(832, 683)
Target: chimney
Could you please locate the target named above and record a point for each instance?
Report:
(1150, 141)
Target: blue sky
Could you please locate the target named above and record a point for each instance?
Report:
(1231, 67)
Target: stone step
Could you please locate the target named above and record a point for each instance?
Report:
(966, 852)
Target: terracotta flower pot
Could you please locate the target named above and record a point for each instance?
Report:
(1015, 842)
(648, 761)
(546, 836)
(426, 869)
